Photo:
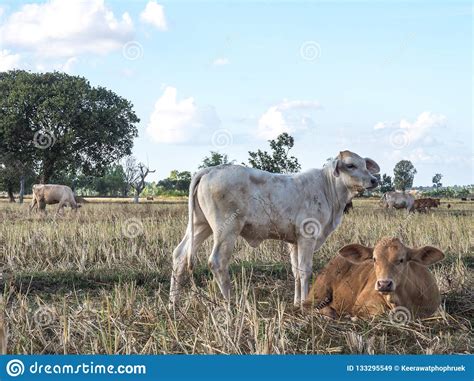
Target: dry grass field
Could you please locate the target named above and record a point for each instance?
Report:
(97, 282)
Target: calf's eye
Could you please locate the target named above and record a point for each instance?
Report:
(350, 166)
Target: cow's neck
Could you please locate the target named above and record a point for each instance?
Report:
(337, 193)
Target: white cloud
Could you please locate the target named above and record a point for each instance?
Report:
(9, 61)
(221, 61)
(60, 28)
(174, 121)
(154, 14)
(287, 116)
(419, 130)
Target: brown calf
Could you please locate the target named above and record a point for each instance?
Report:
(364, 281)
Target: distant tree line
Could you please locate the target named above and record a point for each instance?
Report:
(55, 126)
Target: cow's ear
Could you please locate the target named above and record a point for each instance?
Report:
(372, 166)
(426, 255)
(336, 165)
(356, 253)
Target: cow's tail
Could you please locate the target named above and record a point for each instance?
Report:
(193, 188)
(383, 198)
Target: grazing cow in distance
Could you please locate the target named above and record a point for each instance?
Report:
(423, 205)
(398, 200)
(348, 207)
(49, 194)
(364, 281)
(301, 209)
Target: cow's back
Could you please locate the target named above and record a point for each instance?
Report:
(340, 285)
(54, 193)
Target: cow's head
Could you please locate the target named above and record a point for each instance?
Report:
(391, 259)
(356, 172)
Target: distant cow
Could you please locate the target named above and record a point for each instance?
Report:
(301, 209)
(348, 207)
(149, 198)
(463, 198)
(398, 200)
(364, 281)
(425, 204)
(48, 194)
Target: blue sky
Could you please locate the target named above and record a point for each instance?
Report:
(389, 81)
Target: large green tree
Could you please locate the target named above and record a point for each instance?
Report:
(60, 123)
(404, 173)
(278, 160)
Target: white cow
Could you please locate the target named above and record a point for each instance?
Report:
(303, 209)
(48, 194)
(398, 200)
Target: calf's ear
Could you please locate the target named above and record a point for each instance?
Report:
(372, 166)
(356, 253)
(426, 255)
(336, 164)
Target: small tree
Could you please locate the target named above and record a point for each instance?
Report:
(214, 159)
(278, 161)
(404, 173)
(386, 184)
(177, 181)
(135, 176)
(437, 180)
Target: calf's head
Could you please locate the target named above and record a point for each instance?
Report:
(356, 172)
(391, 259)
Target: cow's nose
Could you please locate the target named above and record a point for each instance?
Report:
(385, 285)
(373, 181)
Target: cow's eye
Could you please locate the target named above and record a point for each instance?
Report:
(350, 166)
(400, 261)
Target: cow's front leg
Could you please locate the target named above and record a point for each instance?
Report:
(294, 268)
(305, 264)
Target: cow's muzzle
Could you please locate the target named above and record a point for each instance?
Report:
(373, 183)
(385, 285)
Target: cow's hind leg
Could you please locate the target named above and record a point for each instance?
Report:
(201, 232)
(220, 258)
(306, 248)
(294, 268)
